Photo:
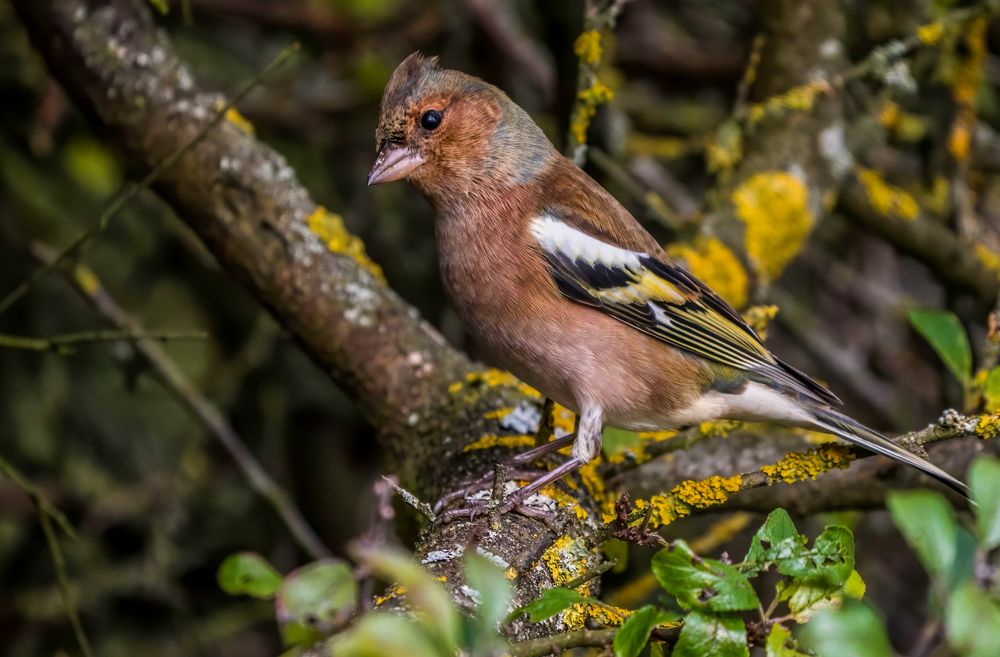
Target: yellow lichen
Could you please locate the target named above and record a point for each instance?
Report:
(759, 317)
(494, 378)
(239, 121)
(717, 266)
(577, 616)
(664, 148)
(937, 198)
(565, 500)
(497, 414)
(725, 149)
(798, 466)
(510, 573)
(774, 205)
(987, 256)
(960, 136)
(588, 47)
(889, 115)
(988, 426)
(455, 387)
(566, 559)
(489, 440)
(394, 592)
(329, 227)
(86, 279)
(887, 199)
(968, 74)
(587, 102)
(796, 99)
(706, 492)
(930, 33)
(665, 510)
(717, 428)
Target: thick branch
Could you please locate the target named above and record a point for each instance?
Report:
(246, 204)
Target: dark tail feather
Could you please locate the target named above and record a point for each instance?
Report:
(854, 432)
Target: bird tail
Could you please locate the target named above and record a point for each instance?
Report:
(838, 424)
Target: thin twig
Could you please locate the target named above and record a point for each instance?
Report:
(204, 411)
(46, 514)
(64, 343)
(596, 571)
(130, 191)
(599, 18)
(423, 507)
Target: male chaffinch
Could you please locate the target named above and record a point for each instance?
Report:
(560, 285)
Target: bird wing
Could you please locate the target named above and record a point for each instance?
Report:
(648, 293)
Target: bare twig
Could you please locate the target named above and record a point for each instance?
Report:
(204, 411)
(423, 507)
(65, 343)
(130, 191)
(46, 514)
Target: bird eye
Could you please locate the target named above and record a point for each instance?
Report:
(430, 119)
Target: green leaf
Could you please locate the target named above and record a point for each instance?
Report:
(702, 583)
(829, 561)
(248, 573)
(927, 523)
(634, 633)
(705, 634)
(946, 335)
(984, 478)
(494, 591)
(421, 590)
(991, 390)
(92, 166)
(777, 527)
(615, 441)
(381, 634)
(832, 556)
(161, 6)
(780, 643)
(851, 631)
(550, 603)
(972, 621)
(315, 600)
(807, 596)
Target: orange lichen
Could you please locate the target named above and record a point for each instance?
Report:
(714, 263)
(577, 616)
(930, 33)
(774, 205)
(759, 317)
(717, 428)
(490, 440)
(988, 426)
(588, 47)
(800, 99)
(329, 227)
(887, 199)
(798, 466)
(707, 492)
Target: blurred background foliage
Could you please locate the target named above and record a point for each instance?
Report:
(158, 505)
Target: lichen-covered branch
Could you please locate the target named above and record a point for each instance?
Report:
(441, 418)
(693, 496)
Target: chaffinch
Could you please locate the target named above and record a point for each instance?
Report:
(560, 285)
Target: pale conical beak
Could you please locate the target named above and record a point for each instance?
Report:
(394, 163)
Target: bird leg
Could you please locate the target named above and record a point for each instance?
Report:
(586, 446)
(514, 472)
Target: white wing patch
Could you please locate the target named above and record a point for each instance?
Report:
(559, 238)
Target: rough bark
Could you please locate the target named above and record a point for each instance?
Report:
(427, 400)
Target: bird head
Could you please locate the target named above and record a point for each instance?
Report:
(449, 132)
